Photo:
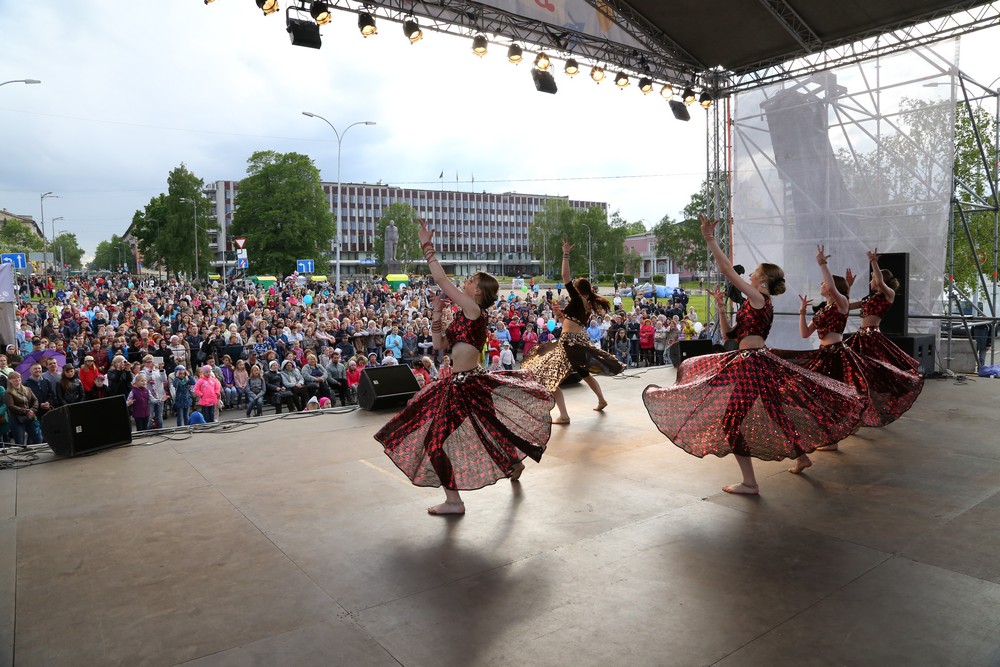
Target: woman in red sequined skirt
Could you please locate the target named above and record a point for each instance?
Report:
(748, 402)
(473, 428)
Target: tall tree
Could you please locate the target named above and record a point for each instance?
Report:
(408, 246)
(283, 212)
(15, 236)
(67, 250)
(550, 225)
(113, 255)
(682, 242)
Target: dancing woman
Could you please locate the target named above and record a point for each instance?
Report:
(748, 402)
(470, 429)
(551, 362)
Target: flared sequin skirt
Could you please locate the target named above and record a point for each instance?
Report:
(470, 430)
(550, 363)
(872, 343)
(751, 403)
(890, 391)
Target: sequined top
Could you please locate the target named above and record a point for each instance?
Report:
(752, 321)
(875, 305)
(575, 310)
(829, 320)
(464, 330)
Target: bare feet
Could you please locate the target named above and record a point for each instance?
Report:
(742, 489)
(515, 475)
(561, 420)
(601, 406)
(447, 508)
(828, 448)
(801, 464)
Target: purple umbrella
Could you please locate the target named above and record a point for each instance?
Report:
(39, 357)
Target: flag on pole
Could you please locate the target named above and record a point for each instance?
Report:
(442, 174)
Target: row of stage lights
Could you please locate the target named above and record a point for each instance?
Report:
(305, 33)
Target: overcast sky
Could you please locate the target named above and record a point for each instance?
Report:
(130, 90)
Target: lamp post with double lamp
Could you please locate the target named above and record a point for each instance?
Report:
(590, 259)
(29, 81)
(41, 203)
(195, 205)
(340, 139)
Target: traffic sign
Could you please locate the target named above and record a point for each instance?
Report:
(242, 263)
(305, 266)
(241, 254)
(18, 259)
(240, 243)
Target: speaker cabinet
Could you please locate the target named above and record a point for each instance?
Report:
(685, 349)
(90, 426)
(920, 347)
(386, 386)
(897, 318)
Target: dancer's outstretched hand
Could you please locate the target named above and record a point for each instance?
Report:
(806, 302)
(707, 226)
(425, 234)
(719, 294)
(567, 246)
(821, 256)
(849, 277)
(873, 255)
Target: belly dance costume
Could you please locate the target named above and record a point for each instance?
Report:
(552, 362)
(469, 430)
(751, 402)
(888, 390)
(871, 342)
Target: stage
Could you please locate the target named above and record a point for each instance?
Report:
(297, 542)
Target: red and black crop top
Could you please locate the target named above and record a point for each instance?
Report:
(752, 321)
(875, 305)
(575, 310)
(829, 320)
(464, 330)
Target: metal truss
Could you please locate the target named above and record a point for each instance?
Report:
(718, 191)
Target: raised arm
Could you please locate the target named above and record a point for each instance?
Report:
(464, 301)
(437, 325)
(880, 285)
(719, 294)
(850, 278)
(725, 266)
(805, 328)
(839, 299)
(566, 248)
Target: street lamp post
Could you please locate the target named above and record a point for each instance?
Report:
(590, 259)
(47, 195)
(20, 81)
(53, 221)
(340, 139)
(195, 205)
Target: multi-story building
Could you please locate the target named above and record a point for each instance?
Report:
(645, 246)
(476, 231)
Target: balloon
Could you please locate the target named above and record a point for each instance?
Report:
(698, 326)
(307, 299)
(541, 321)
(524, 288)
(551, 325)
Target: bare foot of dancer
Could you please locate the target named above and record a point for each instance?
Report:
(515, 475)
(600, 406)
(828, 448)
(742, 489)
(447, 508)
(801, 464)
(561, 420)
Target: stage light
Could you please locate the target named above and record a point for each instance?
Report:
(320, 11)
(208, 1)
(366, 24)
(303, 33)
(572, 67)
(679, 110)
(646, 85)
(479, 45)
(705, 100)
(412, 30)
(515, 53)
(268, 6)
(544, 81)
(597, 73)
(667, 91)
(542, 62)
(621, 80)
(688, 96)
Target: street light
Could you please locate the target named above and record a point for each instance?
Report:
(590, 260)
(52, 245)
(340, 138)
(20, 81)
(47, 195)
(195, 205)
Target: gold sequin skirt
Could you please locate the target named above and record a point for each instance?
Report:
(550, 363)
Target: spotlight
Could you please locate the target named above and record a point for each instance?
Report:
(542, 62)
(320, 11)
(479, 45)
(597, 74)
(208, 1)
(679, 110)
(412, 30)
(366, 24)
(268, 6)
(303, 33)
(515, 53)
(646, 85)
(544, 81)
(688, 96)
(705, 100)
(572, 67)
(667, 91)
(621, 80)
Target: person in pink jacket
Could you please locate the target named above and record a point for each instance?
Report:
(207, 391)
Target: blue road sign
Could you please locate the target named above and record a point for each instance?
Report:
(305, 266)
(18, 259)
(242, 263)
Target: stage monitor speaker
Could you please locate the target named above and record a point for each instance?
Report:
(685, 349)
(386, 386)
(90, 426)
(920, 347)
(896, 319)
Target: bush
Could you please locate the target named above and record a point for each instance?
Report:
(657, 278)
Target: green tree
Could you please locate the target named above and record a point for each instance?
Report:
(15, 236)
(682, 242)
(550, 225)
(612, 257)
(408, 250)
(632, 262)
(283, 212)
(113, 255)
(67, 250)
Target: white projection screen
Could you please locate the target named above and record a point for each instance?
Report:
(855, 158)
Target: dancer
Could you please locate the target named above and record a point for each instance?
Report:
(748, 402)
(472, 428)
(551, 362)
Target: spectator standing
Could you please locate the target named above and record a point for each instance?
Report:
(69, 390)
(138, 402)
(22, 410)
(208, 392)
(255, 389)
